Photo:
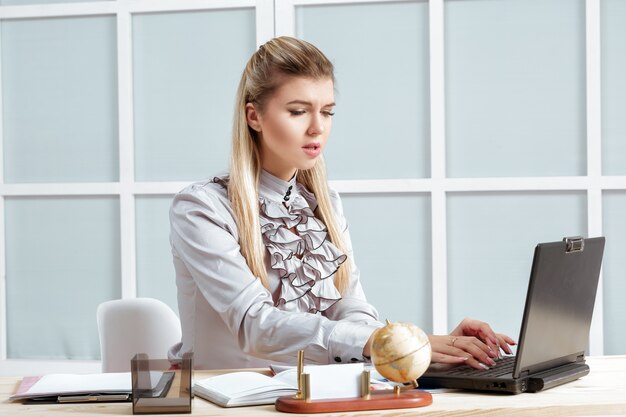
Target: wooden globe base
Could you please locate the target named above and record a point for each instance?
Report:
(377, 400)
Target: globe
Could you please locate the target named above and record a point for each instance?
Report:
(401, 352)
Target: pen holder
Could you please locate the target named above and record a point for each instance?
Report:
(301, 403)
(159, 389)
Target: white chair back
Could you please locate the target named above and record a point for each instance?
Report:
(137, 325)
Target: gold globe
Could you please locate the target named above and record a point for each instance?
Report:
(401, 352)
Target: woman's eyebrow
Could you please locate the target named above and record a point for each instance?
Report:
(308, 103)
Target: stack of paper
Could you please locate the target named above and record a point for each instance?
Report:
(115, 386)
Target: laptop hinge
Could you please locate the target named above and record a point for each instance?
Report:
(574, 244)
(524, 374)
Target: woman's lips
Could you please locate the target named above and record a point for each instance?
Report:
(312, 149)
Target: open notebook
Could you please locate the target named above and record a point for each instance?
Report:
(555, 327)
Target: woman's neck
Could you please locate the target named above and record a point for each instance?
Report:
(285, 174)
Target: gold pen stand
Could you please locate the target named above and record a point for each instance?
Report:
(158, 388)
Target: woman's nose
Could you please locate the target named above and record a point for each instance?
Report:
(316, 127)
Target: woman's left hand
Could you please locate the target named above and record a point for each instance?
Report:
(472, 342)
(483, 332)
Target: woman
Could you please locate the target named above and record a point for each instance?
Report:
(263, 256)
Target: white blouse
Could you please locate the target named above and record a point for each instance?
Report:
(229, 319)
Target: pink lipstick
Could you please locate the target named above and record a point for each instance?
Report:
(312, 149)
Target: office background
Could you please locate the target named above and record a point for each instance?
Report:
(466, 132)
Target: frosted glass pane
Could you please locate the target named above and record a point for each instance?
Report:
(393, 253)
(515, 87)
(614, 272)
(63, 260)
(491, 241)
(613, 27)
(380, 52)
(187, 68)
(59, 87)
(155, 270)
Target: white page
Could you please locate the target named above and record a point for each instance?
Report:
(288, 376)
(335, 381)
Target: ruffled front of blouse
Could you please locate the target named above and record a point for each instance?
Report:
(304, 261)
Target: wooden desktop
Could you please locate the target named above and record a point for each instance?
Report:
(602, 392)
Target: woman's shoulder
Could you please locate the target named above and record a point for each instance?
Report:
(213, 187)
(200, 203)
(335, 200)
(211, 194)
(334, 195)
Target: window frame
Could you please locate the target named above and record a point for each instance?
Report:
(277, 17)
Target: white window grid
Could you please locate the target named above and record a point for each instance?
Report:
(275, 18)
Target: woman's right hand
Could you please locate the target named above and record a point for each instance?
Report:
(461, 349)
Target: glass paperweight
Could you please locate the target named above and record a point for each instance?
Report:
(159, 387)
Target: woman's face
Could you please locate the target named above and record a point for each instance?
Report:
(293, 125)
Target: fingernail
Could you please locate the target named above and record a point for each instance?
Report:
(491, 361)
(482, 365)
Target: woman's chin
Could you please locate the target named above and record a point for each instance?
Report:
(307, 164)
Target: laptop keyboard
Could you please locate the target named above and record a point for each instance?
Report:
(502, 367)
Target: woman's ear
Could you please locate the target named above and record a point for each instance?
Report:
(252, 117)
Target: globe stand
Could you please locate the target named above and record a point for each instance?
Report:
(399, 397)
(398, 389)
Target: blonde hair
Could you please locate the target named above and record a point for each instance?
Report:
(282, 56)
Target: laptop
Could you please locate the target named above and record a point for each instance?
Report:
(555, 327)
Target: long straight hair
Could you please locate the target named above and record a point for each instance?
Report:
(282, 56)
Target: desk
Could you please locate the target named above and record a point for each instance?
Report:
(602, 392)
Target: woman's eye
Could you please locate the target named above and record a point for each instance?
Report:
(296, 112)
(328, 113)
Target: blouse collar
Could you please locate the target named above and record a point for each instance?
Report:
(273, 188)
